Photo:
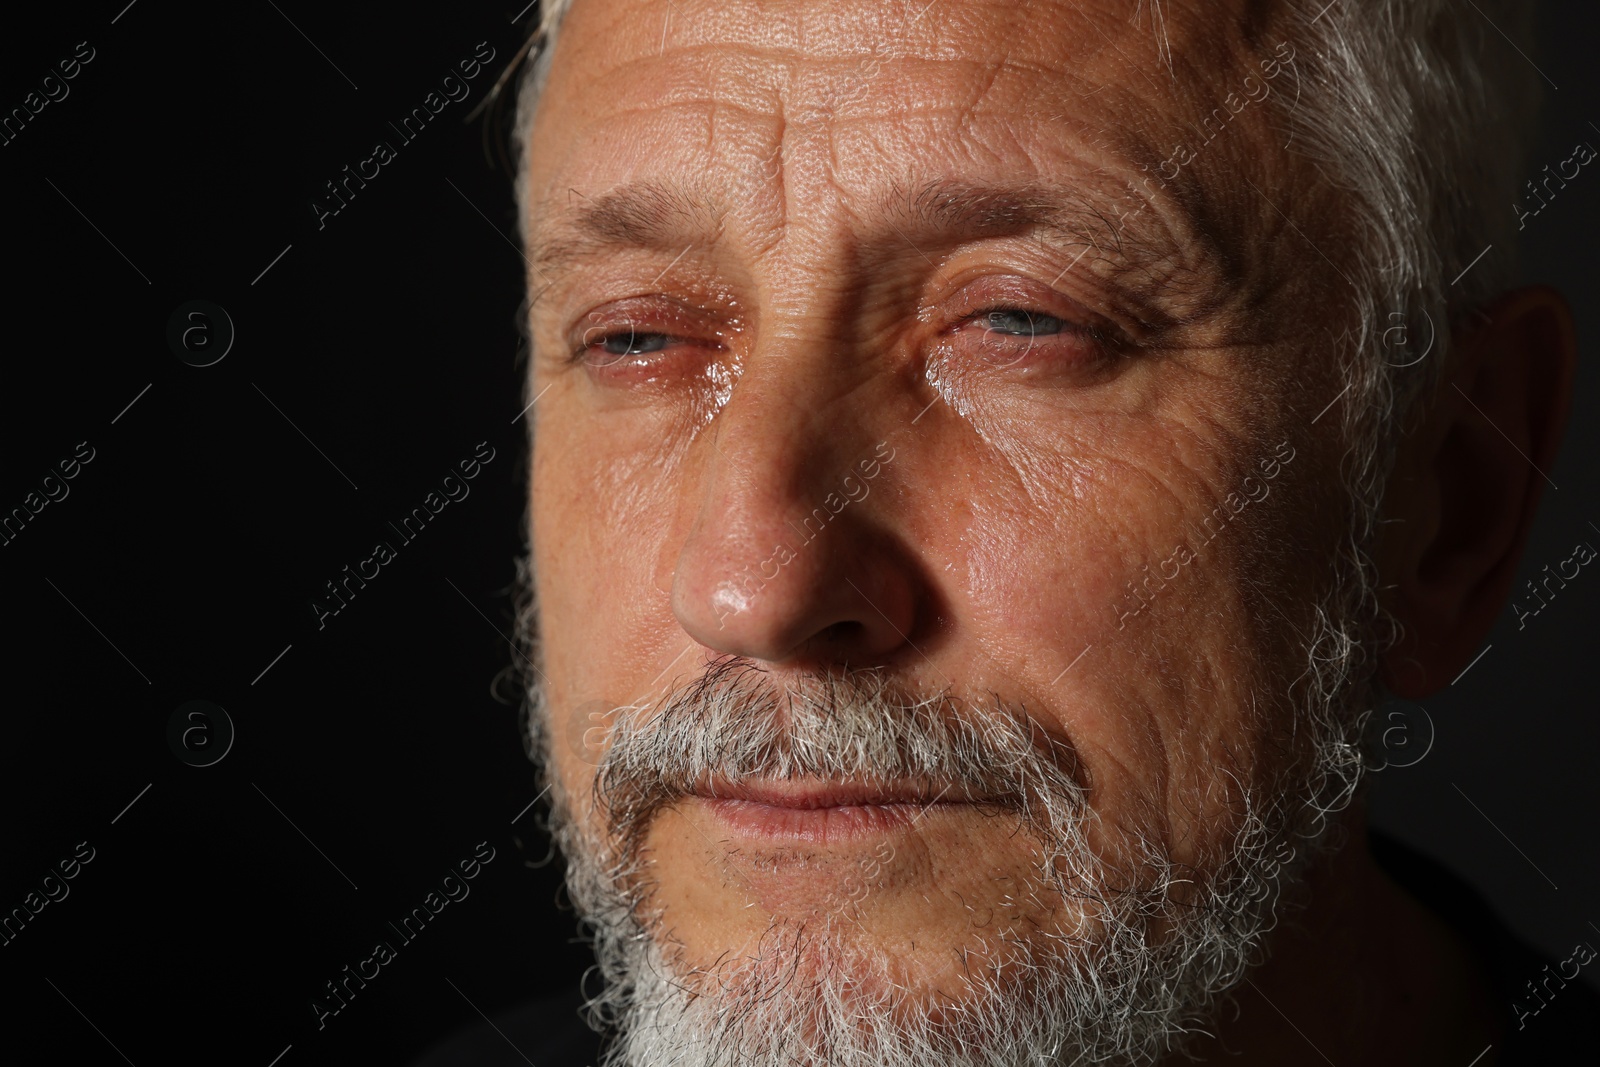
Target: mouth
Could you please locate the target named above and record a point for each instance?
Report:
(823, 812)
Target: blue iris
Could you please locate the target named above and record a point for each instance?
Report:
(1023, 323)
(633, 344)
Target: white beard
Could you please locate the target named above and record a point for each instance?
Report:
(1132, 974)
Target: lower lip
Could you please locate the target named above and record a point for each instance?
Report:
(818, 826)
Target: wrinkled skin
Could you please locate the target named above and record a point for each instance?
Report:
(766, 243)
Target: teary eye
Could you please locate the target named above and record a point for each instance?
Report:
(1019, 323)
(649, 342)
(633, 343)
(1001, 325)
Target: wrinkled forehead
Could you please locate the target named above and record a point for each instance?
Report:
(1121, 69)
(763, 108)
(1129, 75)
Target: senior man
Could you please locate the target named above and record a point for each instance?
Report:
(990, 461)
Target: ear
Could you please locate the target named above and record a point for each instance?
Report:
(1466, 482)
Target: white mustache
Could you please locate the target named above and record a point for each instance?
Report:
(732, 724)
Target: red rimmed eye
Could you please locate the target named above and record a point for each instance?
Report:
(643, 341)
(621, 344)
(1015, 322)
(1007, 336)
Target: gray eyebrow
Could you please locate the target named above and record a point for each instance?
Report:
(643, 215)
(1138, 238)
(1137, 246)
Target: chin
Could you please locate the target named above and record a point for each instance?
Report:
(820, 996)
(1077, 977)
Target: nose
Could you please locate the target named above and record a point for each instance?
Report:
(792, 557)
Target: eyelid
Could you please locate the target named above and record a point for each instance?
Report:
(1071, 325)
(653, 313)
(599, 335)
(1009, 291)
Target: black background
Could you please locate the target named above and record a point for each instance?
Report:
(370, 358)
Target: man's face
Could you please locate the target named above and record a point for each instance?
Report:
(945, 352)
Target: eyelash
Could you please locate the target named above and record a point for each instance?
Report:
(1101, 341)
(591, 347)
(633, 335)
(1064, 325)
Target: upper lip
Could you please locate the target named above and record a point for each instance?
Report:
(804, 794)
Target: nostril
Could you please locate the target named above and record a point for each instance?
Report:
(841, 634)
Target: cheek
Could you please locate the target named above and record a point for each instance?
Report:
(1156, 694)
(601, 510)
(575, 762)
(1069, 524)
